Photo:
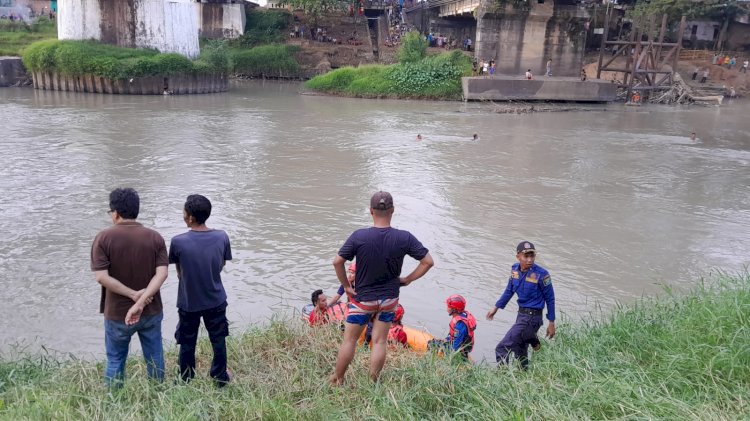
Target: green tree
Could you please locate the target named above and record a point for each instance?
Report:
(723, 11)
(413, 48)
(315, 8)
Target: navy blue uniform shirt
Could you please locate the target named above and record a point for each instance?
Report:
(534, 288)
(380, 255)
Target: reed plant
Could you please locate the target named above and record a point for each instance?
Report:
(673, 357)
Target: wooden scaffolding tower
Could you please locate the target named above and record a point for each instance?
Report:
(647, 56)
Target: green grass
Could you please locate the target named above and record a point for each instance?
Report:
(433, 77)
(89, 57)
(275, 60)
(15, 36)
(675, 357)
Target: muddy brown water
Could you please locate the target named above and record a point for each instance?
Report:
(619, 201)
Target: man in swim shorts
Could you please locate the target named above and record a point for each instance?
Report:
(380, 252)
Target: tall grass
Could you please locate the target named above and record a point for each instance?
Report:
(17, 35)
(275, 60)
(436, 77)
(684, 357)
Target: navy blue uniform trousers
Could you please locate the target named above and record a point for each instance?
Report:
(519, 337)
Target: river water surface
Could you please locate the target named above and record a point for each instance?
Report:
(618, 201)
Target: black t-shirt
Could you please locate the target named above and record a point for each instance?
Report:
(380, 255)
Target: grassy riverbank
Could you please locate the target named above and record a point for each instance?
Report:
(433, 77)
(17, 35)
(74, 58)
(685, 357)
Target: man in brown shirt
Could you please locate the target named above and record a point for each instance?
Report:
(130, 262)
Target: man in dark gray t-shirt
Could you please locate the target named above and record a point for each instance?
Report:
(380, 252)
(199, 256)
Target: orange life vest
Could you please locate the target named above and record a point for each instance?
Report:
(396, 334)
(471, 324)
(337, 312)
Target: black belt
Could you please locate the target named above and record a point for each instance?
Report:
(530, 311)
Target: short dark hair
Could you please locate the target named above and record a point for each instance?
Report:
(125, 201)
(315, 295)
(199, 207)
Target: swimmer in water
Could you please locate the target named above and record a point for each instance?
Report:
(419, 137)
(475, 137)
(692, 136)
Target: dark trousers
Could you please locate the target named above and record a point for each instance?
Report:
(215, 320)
(519, 337)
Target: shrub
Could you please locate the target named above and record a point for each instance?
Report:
(436, 76)
(413, 48)
(216, 54)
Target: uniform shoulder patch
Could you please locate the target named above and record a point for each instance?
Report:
(547, 280)
(514, 274)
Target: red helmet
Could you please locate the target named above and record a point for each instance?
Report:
(456, 302)
(399, 313)
(353, 267)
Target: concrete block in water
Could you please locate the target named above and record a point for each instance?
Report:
(515, 88)
(12, 71)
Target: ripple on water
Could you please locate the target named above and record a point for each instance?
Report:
(616, 203)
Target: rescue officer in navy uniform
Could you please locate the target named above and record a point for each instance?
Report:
(533, 285)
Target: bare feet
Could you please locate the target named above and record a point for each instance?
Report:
(537, 347)
(335, 381)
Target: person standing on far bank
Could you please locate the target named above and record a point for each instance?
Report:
(533, 285)
(380, 252)
(130, 263)
(199, 255)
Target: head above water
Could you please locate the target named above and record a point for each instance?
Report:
(125, 202)
(198, 208)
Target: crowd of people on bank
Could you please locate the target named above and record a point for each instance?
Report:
(130, 263)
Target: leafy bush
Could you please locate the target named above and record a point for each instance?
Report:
(216, 55)
(436, 76)
(266, 60)
(264, 27)
(75, 58)
(413, 48)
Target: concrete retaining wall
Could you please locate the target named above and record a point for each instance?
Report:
(506, 88)
(153, 85)
(525, 39)
(11, 71)
(170, 26)
(216, 20)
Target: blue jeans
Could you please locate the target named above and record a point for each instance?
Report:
(117, 343)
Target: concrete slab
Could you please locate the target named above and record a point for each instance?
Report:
(517, 88)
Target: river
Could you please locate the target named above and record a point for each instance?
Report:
(619, 201)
